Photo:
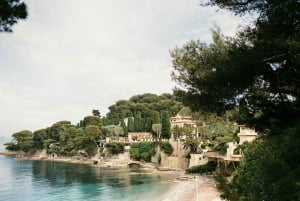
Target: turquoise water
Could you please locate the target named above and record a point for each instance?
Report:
(22, 180)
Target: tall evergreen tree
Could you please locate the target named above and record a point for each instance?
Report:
(123, 125)
(165, 125)
(147, 124)
(156, 117)
(138, 122)
(130, 124)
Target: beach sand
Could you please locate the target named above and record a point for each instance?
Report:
(189, 190)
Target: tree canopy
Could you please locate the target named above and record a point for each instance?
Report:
(23, 140)
(10, 12)
(142, 111)
(138, 113)
(256, 71)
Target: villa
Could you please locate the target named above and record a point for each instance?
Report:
(184, 121)
(233, 153)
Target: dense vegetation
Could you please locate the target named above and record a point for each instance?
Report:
(64, 138)
(142, 151)
(258, 72)
(61, 138)
(275, 162)
(10, 12)
(141, 111)
(115, 147)
(201, 169)
(145, 150)
(166, 147)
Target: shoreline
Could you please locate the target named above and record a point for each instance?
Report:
(42, 156)
(196, 188)
(185, 189)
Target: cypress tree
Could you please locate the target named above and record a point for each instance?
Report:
(123, 125)
(165, 125)
(155, 117)
(138, 122)
(130, 124)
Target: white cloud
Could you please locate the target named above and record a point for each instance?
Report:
(70, 57)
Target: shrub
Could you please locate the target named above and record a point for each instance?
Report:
(222, 148)
(115, 148)
(207, 168)
(146, 149)
(143, 150)
(11, 146)
(91, 149)
(134, 151)
(166, 147)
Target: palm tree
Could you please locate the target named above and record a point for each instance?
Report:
(191, 145)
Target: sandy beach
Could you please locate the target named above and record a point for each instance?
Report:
(190, 190)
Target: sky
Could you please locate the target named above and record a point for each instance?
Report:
(70, 57)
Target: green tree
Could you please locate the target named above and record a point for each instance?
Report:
(38, 138)
(134, 151)
(23, 140)
(258, 71)
(67, 141)
(196, 71)
(115, 148)
(11, 146)
(56, 129)
(138, 122)
(125, 129)
(275, 177)
(147, 105)
(156, 117)
(91, 120)
(166, 147)
(10, 12)
(96, 113)
(191, 145)
(113, 131)
(165, 125)
(87, 139)
(264, 58)
(130, 124)
(92, 132)
(147, 124)
(156, 129)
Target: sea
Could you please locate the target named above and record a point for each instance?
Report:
(26, 180)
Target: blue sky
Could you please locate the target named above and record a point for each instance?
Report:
(70, 57)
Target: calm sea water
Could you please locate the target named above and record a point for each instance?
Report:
(22, 180)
